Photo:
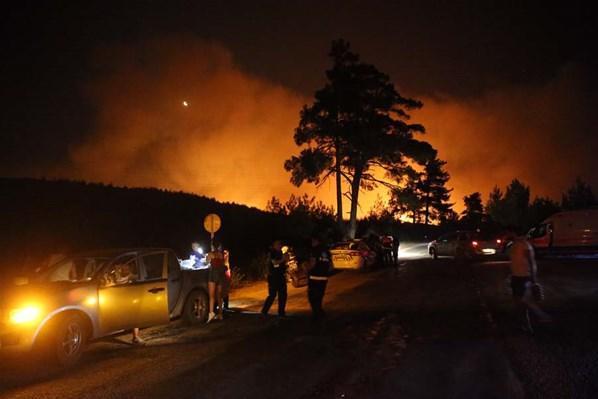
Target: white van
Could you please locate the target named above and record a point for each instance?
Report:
(567, 230)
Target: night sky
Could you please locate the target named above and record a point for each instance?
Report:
(93, 90)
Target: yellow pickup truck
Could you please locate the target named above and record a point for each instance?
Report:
(87, 296)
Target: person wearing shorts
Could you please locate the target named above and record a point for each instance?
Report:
(216, 280)
(519, 286)
(523, 268)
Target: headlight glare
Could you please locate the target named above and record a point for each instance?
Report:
(25, 314)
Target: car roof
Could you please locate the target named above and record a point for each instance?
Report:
(114, 252)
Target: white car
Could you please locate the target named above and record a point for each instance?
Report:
(464, 244)
(353, 254)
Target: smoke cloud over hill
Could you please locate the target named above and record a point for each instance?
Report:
(231, 138)
(542, 135)
(229, 141)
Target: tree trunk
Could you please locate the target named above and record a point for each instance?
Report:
(355, 185)
(339, 194)
(427, 208)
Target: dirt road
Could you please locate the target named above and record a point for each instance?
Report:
(432, 330)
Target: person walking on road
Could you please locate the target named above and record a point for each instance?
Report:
(319, 269)
(523, 276)
(277, 279)
(216, 280)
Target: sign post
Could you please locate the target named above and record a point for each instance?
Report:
(212, 224)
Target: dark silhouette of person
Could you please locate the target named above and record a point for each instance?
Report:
(319, 269)
(396, 243)
(277, 279)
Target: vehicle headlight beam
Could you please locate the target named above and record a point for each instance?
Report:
(25, 314)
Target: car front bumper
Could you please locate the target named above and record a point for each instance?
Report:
(16, 338)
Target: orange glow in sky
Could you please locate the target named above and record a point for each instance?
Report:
(231, 144)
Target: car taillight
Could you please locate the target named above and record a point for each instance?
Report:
(474, 243)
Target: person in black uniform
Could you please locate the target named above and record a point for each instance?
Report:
(277, 279)
(319, 270)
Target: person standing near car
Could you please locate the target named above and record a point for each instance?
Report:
(396, 243)
(319, 269)
(197, 256)
(227, 281)
(277, 279)
(523, 275)
(216, 280)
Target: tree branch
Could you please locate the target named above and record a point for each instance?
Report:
(369, 177)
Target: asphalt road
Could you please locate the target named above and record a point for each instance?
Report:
(434, 329)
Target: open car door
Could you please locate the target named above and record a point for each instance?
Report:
(154, 302)
(133, 293)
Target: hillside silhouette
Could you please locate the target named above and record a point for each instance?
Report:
(43, 217)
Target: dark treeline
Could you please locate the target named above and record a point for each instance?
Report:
(513, 208)
(43, 217)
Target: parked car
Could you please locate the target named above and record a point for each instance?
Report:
(96, 294)
(465, 244)
(354, 254)
(575, 231)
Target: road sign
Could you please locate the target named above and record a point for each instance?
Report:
(212, 223)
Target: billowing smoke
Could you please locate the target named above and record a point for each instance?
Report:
(544, 135)
(232, 138)
(228, 140)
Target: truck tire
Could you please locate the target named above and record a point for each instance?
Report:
(65, 339)
(196, 308)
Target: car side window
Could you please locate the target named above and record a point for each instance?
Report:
(154, 266)
(445, 238)
(539, 231)
(124, 270)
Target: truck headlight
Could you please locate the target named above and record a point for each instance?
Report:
(25, 314)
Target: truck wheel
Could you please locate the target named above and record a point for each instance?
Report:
(196, 308)
(67, 339)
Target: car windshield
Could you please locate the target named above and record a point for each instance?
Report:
(73, 268)
(350, 245)
(485, 236)
(341, 245)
